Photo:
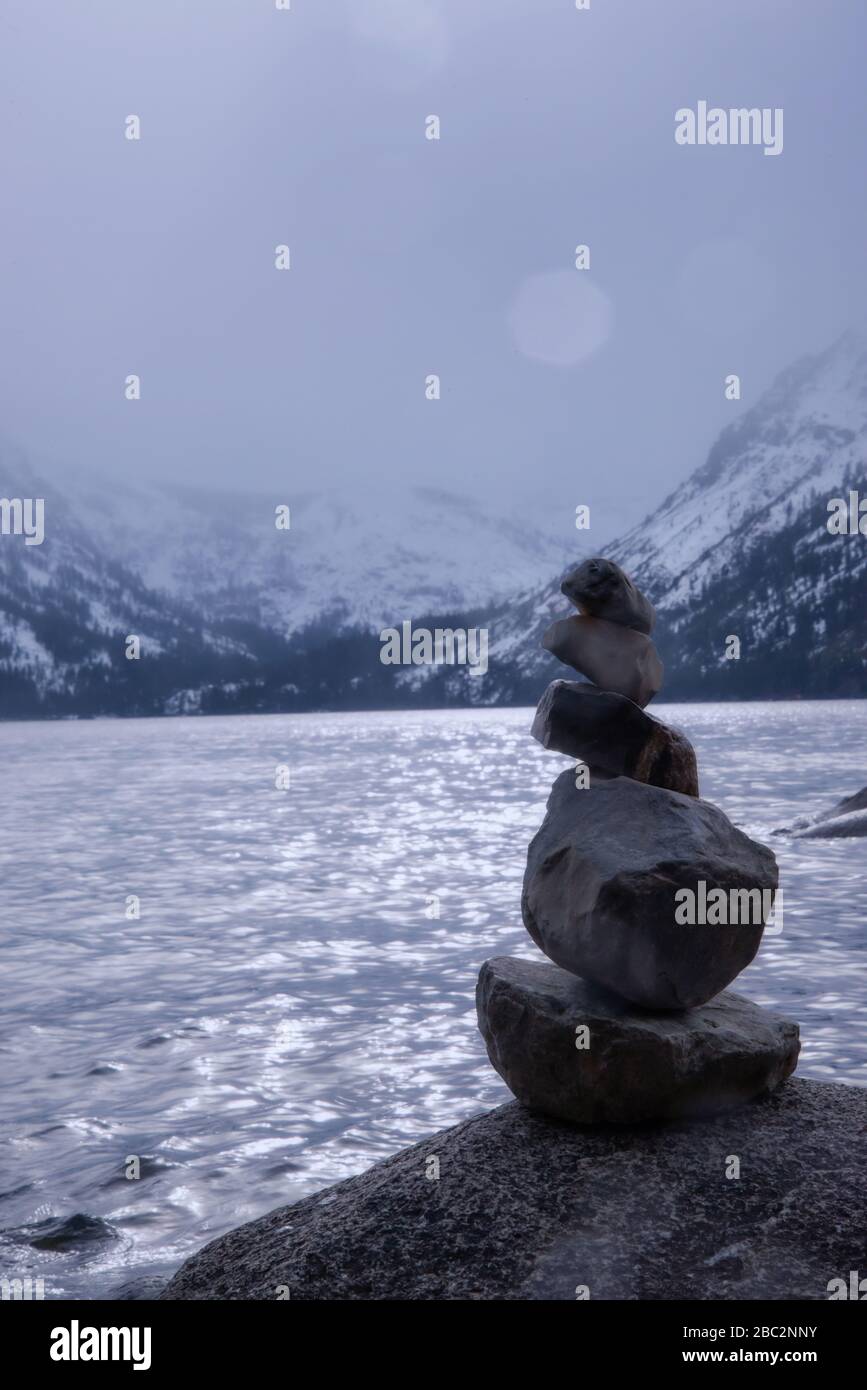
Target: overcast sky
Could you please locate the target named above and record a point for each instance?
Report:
(412, 256)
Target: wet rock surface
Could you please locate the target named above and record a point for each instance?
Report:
(852, 825)
(848, 819)
(527, 1208)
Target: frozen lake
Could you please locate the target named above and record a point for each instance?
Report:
(289, 1008)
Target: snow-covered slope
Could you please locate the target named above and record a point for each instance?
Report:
(803, 438)
(235, 614)
(221, 597)
(362, 556)
(742, 548)
(366, 557)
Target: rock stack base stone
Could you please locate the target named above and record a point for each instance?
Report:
(631, 1065)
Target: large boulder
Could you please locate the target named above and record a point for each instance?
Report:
(601, 882)
(510, 1205)
(612, 657)
(568, 1049)
(614, 735)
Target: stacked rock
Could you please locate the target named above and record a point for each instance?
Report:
(647, 900)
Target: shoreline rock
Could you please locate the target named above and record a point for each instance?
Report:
(527, 1208)
(846, 820)
(851, 826)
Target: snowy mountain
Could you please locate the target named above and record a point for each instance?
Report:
(742, 549)
(363, 559)
(232, 611)
(235, 614)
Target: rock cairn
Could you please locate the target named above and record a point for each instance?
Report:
(647, 900)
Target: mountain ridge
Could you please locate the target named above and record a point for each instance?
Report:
(771, 574)
(234, 621)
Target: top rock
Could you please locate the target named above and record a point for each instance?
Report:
(600, 589)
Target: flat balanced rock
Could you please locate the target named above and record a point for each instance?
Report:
(612, 734)
(612, 657)
(568, 1049)
(601, 882)
(524, 1208)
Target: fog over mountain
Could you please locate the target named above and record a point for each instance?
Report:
(157, 157)
(410, 256)
(236, 614)
(233, 610)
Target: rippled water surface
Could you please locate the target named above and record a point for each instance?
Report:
(289, 1007)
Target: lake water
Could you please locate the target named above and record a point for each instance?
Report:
(288, 1009)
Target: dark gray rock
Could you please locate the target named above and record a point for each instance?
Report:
(600, 589)
(613, 735)
(848, 819)
(841, 827)
(600, 885)
(613, 658)
(858, 802)
(851, 826)
(527, 1208)
(633, 1065)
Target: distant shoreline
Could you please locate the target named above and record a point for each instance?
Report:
(81, 718)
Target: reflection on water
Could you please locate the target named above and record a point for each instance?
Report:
(289, 1007)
